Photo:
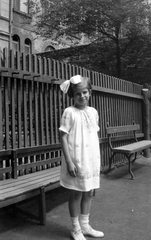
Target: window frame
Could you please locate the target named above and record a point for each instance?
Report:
(16, 43)
(29, 46)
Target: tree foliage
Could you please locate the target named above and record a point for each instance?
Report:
(118, 22)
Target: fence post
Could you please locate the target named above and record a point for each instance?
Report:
(145, 93)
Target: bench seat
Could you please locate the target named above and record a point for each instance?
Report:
(19, 189)
(127, 149)
(133, 147)
(27, 173)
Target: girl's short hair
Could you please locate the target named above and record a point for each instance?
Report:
(85, 82)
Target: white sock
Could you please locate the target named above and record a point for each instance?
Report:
(84, 221)
(75, 224)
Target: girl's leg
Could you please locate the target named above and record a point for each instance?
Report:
(86, 202)
(74, 202)
(84, 217)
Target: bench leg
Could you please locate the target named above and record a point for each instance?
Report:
(129, 166)
(15, 209)
(42, 206)
(110, 162)
(134, 158)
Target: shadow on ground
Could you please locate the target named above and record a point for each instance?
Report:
(121, 208)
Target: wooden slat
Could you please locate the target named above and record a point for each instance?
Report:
(54, 68)
(39, 163)
(41, 115)
(25, 183)
(5, 170)
(47, 139)
(133, 147)
(19, 100)
(55, 114)
(118, 129)
(5, 153)
(25, 113)
(30, 105)
(40, 174)
(37, 149)
(13, 135)
(1, 112)
(36, 118)
(28, 195)
(6, 106)
(26, 188)
(51, 114)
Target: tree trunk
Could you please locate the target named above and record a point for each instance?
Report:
(118, 59)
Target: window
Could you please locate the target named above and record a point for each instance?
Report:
(3, 43)
(49, 48)
(27, 46)
(4, 25)
(4, 8)
(16, 43)
(22, 5)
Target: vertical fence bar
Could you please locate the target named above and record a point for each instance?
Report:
(19, 113)
(1, 113)
(6, 107)
(36, 117)
(25, 123)
(30, 110)
(51, 113)
(41, 115)
(13, 121)
(146, 119)
(46, 114)
(1, 122)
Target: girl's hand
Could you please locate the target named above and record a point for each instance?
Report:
(72, 170)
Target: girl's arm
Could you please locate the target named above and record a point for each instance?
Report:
(70, 165)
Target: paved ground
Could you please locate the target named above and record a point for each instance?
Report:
(121, 209)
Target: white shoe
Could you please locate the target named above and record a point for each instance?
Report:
(78, 235)
(93, 233)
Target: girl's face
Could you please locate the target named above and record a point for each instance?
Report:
(81, 97)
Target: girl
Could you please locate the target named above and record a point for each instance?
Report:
(80, 171)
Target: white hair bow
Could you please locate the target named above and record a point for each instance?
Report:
(65, 85)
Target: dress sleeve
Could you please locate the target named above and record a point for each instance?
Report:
(66, 121)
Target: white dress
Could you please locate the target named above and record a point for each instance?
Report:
(81, 127)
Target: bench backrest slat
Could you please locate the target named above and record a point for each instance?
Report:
(17, 162)
(29, 151)
(119, 129)
(38, 163)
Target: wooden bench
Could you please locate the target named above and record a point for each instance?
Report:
(27, 173)
(129, 149)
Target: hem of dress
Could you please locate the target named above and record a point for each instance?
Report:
(77, 189)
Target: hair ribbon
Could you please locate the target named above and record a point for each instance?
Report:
(74, 80)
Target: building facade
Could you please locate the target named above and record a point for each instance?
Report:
(14, 33)
(16, 30)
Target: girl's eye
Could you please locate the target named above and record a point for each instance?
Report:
(77, 94)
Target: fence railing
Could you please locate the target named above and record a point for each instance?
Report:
(31, 103)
